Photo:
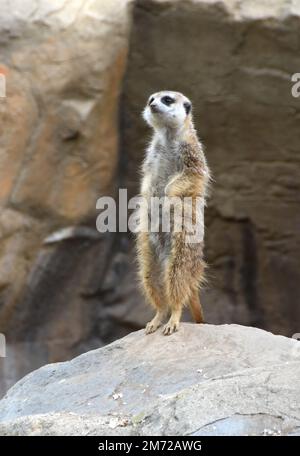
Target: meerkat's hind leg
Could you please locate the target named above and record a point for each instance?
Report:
(178, 291)
(155, 298)
(177, 296)
(156, 322)
(173, 323)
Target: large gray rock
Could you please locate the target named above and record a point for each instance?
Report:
(203, 380)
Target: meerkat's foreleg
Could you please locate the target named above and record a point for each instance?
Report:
(186, 184)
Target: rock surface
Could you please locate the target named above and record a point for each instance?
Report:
(203, 380)
(65, 141)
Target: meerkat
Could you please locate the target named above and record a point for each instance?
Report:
(171, 269)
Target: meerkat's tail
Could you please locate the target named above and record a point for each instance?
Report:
(196, 308)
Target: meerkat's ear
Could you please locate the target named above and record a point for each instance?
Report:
(188, 107)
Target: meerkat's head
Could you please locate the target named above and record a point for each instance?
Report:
(167, 109)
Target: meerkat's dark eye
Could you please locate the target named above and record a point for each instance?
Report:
(187, 106)
(167, 100)
(151, 100)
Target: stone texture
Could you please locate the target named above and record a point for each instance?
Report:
(64, 142)
(203, 380)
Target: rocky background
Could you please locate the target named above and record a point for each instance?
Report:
(78, 74)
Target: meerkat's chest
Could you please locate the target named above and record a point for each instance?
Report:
(165, 162)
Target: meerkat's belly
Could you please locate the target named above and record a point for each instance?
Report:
(166, 165)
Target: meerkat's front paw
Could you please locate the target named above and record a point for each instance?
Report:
(171, 327)
(167, 190)
(170, 191)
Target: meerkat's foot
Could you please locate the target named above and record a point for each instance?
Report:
(171, 327)
(154, 324)
(151, 327)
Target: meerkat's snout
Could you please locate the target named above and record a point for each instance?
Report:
(152, 99)
(154, 108)
(153, 105)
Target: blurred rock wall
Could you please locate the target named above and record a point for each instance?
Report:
(235, 61)
(78, 74)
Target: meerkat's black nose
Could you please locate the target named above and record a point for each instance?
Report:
(151, 101)
(153, 107)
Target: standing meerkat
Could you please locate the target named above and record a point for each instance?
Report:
(171, 268)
